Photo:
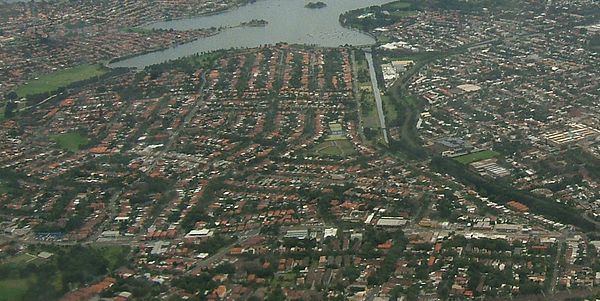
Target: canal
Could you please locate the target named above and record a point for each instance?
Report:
(377, 94)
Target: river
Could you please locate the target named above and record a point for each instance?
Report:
(289, 21)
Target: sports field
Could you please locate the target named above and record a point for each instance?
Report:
(71, 141)
(335, 148)
(13, 289)
(53, 81)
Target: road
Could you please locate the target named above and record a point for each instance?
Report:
(222, 253)
(39, 103)
(199, 100)
(113, 208)
(122, 241)
(557, 296)
(377, 94)
(559, 254)
(372, 293)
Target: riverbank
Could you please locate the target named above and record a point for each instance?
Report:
(157, 49)
(207, 14)
(144, 27)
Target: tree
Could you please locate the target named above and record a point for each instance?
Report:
(9, 110)
(12, 95)
(226, 268)
(276, 295)
(351, 272)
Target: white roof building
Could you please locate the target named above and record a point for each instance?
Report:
(202, 233)
(391, 221)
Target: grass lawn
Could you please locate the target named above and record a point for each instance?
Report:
(414, 57)
(205, 60)
(71, 141)
(13, 289)
(370, 116)
(51, 82)
(371, 119)
(140, 30)
(411, 100)
(284, 280)
(114, 255)
(388, 109)
(335, 148)
(23, 259)
(4, 188)
(403, 14)
(478, 156)
(397, 5)
(367, 87)
(384, 39)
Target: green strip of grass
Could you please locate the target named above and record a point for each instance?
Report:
(335, 148)
(13, 289)
(71, 141)
(397, 5)
(51, 82)
(139, 30)
(388, 109)
(478, 156)
(23, 259)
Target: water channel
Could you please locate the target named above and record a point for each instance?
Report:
(377, 94)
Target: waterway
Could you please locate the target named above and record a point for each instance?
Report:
(289, 22)
(377, 94)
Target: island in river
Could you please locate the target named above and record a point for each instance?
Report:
(314, 5)
(255, 23)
